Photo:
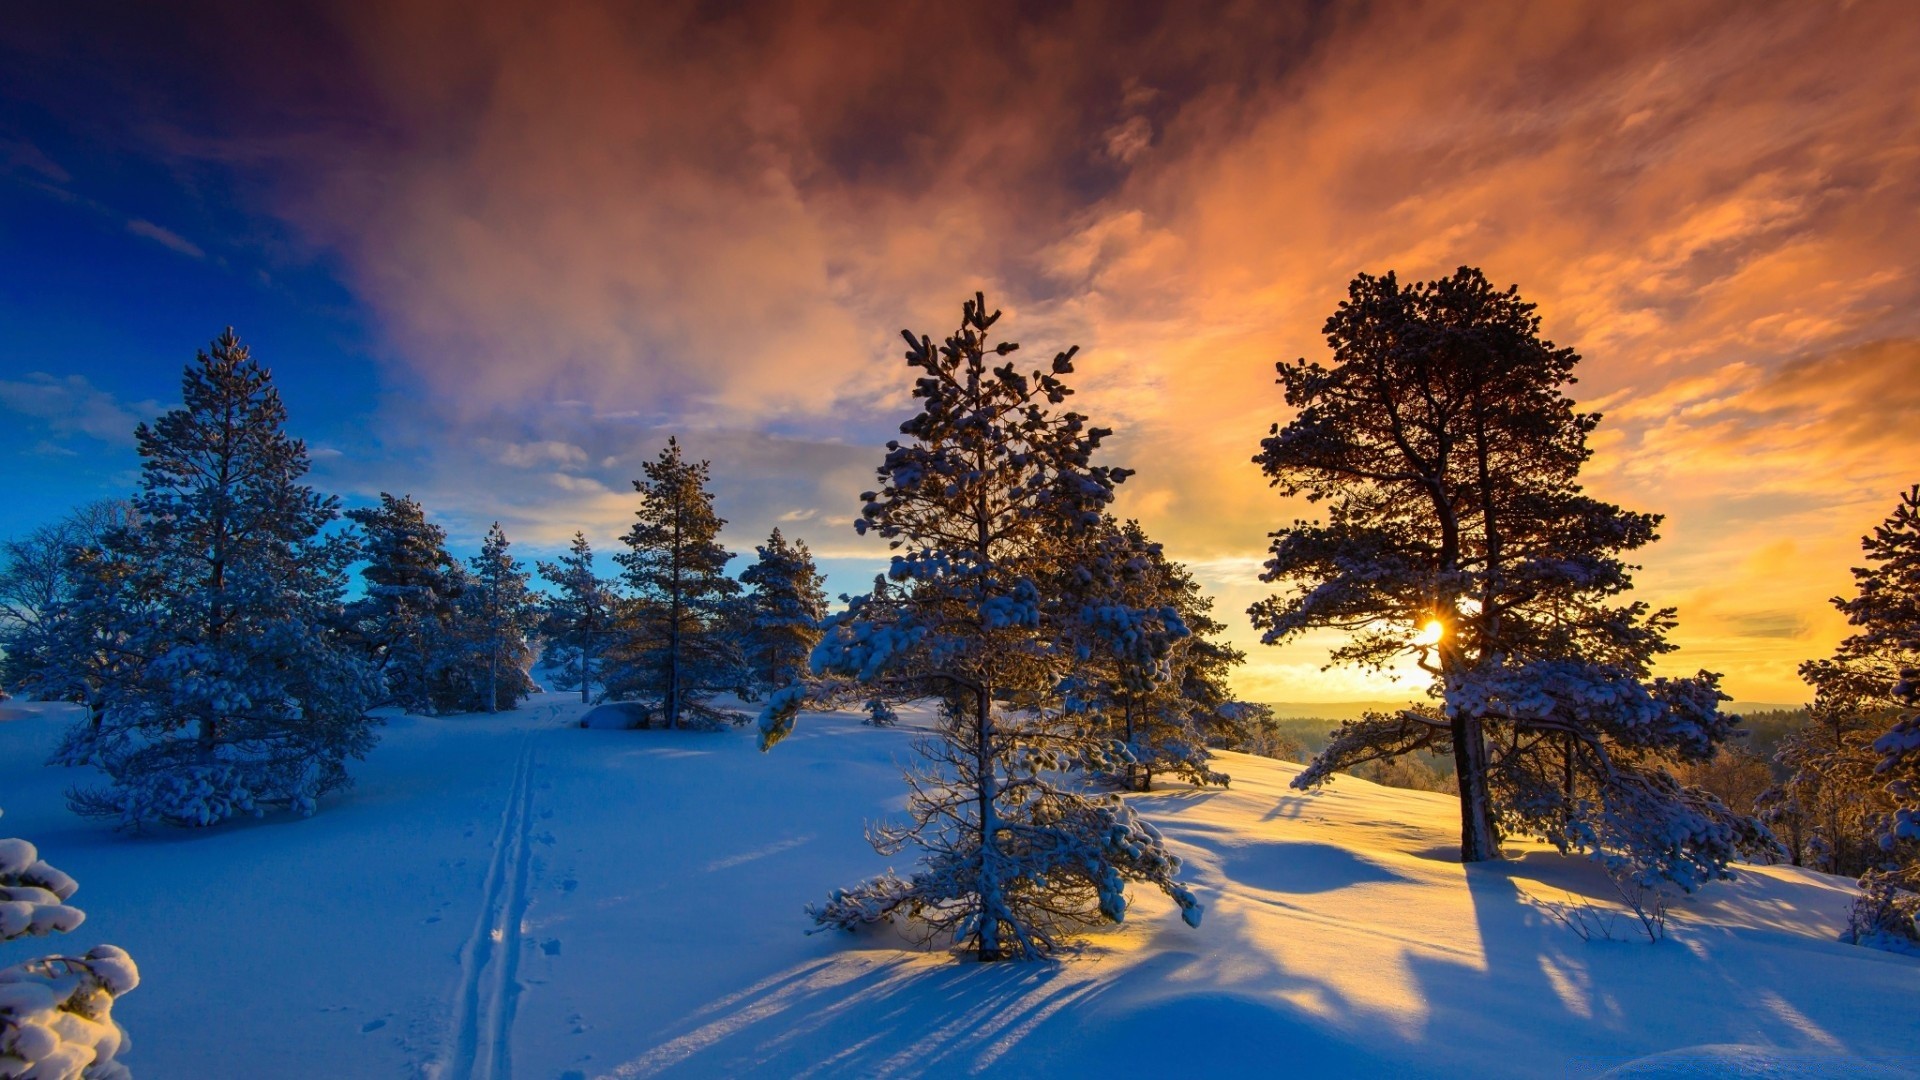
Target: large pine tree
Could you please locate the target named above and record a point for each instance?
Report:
(403, 621)
(991, 501)
(231, 695)
(1447, 455)
(674, 652)
(578, 620)
(786, 601)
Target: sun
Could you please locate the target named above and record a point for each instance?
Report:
(1431, 633)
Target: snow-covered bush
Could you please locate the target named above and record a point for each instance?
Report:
(56, 1012)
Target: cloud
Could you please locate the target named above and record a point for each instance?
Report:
(165, 237)
(73, 405)
(590, 225)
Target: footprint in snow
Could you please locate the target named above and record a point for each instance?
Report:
(551, 946)
(372, 1025)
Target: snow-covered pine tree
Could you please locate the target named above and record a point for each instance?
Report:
(1449, 459)
(1855, 787)
(1155, 681)
(786, 601)
(496, 610)
(578, 620)
(405, 617)
(56, 1012)
(39, 581)
(230, 695)
(987, 497)
(673, 652)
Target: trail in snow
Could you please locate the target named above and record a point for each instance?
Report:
(489, 990)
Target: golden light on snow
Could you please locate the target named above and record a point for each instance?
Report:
(1431, 633)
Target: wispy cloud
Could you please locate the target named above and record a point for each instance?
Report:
(165, 237)
(73, 405)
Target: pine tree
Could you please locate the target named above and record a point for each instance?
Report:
(229, 694)
(579, 619)
(990, 501)
(56, 1012)
(1156, 680)
(1448, 456)
(404, 619)
(673, 653)
(786, 601)
(496, 611)
(1855, 787)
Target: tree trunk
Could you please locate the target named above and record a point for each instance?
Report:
(583, 675)
(989, 825)
(493, 683)
(1476, 813)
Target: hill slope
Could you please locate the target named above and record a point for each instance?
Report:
(513, 895)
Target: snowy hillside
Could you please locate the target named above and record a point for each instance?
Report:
(514, 895)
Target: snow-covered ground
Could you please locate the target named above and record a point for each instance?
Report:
(515, 896)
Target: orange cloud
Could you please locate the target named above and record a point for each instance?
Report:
(717, 222)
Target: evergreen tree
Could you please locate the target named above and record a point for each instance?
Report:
(1457, 533)
(496, 611)
(579, 619)
(1157, 686)
(56, 1012)
(786, 601)
(228, 695)
(39, 581)
(404, 620)
(674, 653)
(1855, 788)
(82, 654)
(990, 501)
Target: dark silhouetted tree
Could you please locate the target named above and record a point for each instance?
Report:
(1447, 456)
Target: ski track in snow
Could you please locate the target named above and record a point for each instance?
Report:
(489, 962)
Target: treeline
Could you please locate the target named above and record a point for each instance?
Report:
(205, 624)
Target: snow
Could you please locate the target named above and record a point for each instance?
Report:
(517, 893)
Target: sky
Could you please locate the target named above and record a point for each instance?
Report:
(495, 253)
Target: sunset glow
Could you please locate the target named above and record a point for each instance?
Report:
(496, 255)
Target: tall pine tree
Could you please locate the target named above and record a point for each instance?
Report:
(674, 653)
(1448, 456)
(231, 695)
(991, 501)
(786, 600)
(578, 620)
